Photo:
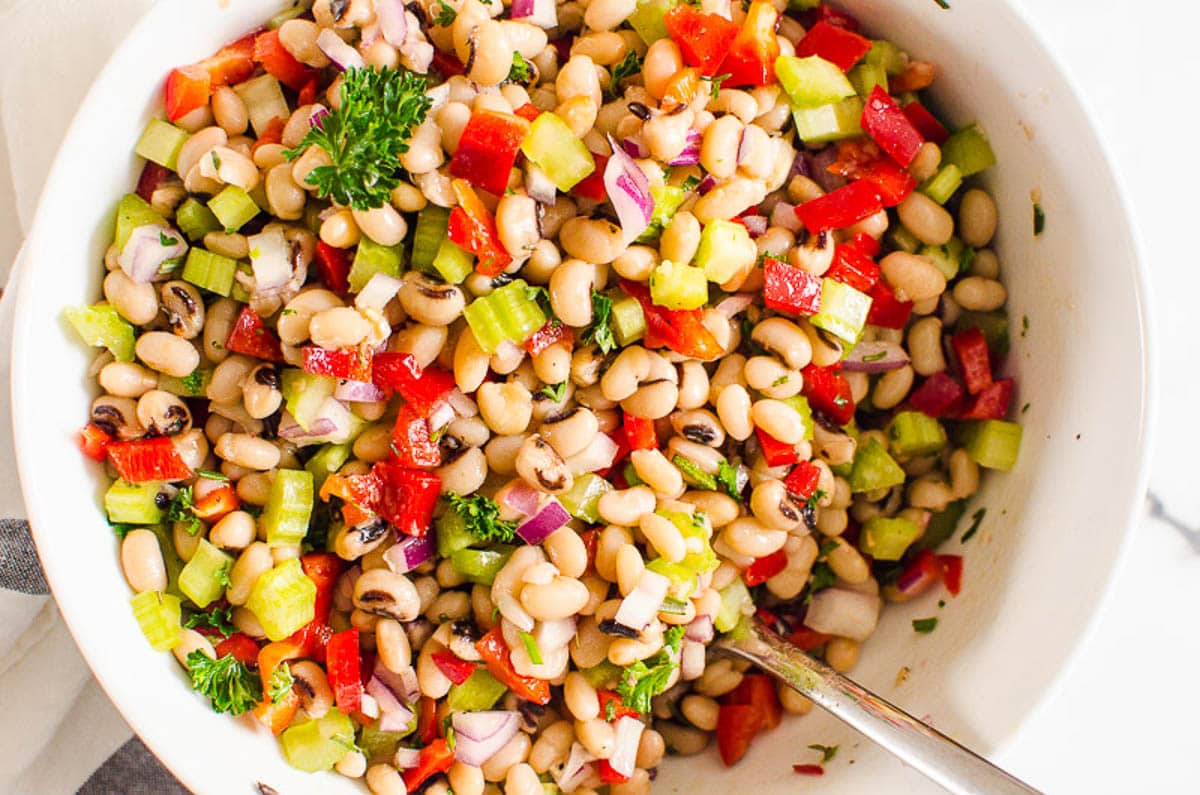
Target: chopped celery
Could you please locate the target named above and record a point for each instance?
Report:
(584, 495)
(843, 310)
(101, 325)
(948, 258)
(552, 146)
(911, 433)
(452, 533)
(631, 476)
(969, 150)
(812, 82)
(994, 444)
(833, 122)
(289, 506)
(158, 616)
(372, 258)
(380, 746)
(161, 142)
(648, 19)
(902, 239)
(506, 314)
(305, 393)
(942, 524)
(283, 599)
(481, 691)
(887, 538)
(428, 235)
(327, 460)
(233, 207)
(866, 76)
(735, 603)
(693, 474)
(453, 263)
(195, 220)
(802, 407)
(319, 744)
(695, 529)
(210, 271)
(887, 55)
(171, 560)
(481, 565)
(133, 503)
(239, 292)
(683, 579)
(667, 199)
(602, 675)
(627, 319)
(994, 326)
(874, 469)
(942, 185)
(193, 385)
(297, 9)
(678, 286)
(132, 212)
(264, 101)
(202, 579)
(720, 253)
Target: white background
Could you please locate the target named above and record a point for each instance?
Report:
(1123, 718)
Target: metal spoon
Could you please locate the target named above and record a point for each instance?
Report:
(916, 743)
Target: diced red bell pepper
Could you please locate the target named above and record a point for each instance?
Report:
(866, 244)
(886, 310)
(151, 179)
(362, 491)
(411, 443)
(887, 125)
(422, 389)
(806, 639)
(605, 770)
(435, 758)
(407, 497)
(623, 449)
(758, 690)
(215, 505)
(353, 364)
(323, 568)
(859, 159)
(93, 442)
(835, 44)
(488, 149)
(241, 647)
(187, 89)
(992, 403)
(496, 656)
(472, 227)
(446, 64)
(952, 572)
(144, 460)
(251, 336)
(938, 396)
(619, 710)
(271, 134)
(681, 330)
(278, 715)
(789, 289)
(529, 112)
(231, 64)
(704, 39)
(453, 668)
(850, 266)
(592, 186)
(827, 13)
(763, 569)
(333, 267)
(342, 667)
(801, 482)
(427, 722)
(926, 123)
(843, 207)
(970, 347)
(918, 576)
(809, 770)
(591, 539)
(308, 92)
(916, 76)
(751, 59)
(640, 433)
(829, 392)
(737, 726)
(553, 333)
(775, 452)
(681, 89)
(279, 63)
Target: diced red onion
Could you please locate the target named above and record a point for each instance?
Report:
(342, 54)
(819, 163)
(291, 430)
(700, 630)
(628, 189)
(378, 291)
(317, 116)
(641, 605)
(479, 735)
(543, 13)
(735, 304)
(625, 745)
(745, 145)
(144, 252)
(396, 716)
(756, 225)
(407, 758)
(599, 454)
(634, 147)
(389, 14)
(522, 498)
(875, 357)
(463, 406)
(917, 580)
(369, 706)
(784, 214)
(409, 553)
(835, 611)
(332, 423)
(691, 660)
(270, 257)
(576, 770)
(358, 392)
(441, 416)
(152, 178)
(708, 183)
(520, 9)
(536, 528)
(539, 186)
(690, 155)
(397, 683)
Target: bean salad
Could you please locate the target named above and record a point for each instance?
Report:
(470, 366)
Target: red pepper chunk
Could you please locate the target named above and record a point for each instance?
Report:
(764, 568)
(188, 87)
(472, 227)
(186, 90)
(411, 443)
(801, 482)
(887, 125)
(681, 330)
(868, 245)
(279, 63)
(528, 111)
(843, 207)
(352, 364)
(806, 639)
(144, 460)
(970, 347)
(992, 402)
(938, 396)
(342, 666)
(592, 186)
(640, 433)
(808, 770)
(827, 13)
(496, 656)
(488, 149)
(790, 290)
(886, 310)
(608, 775)
(619, 710)
(952, 572)
(926, 123)
(423, 389)
(151, 179)
(454, 669)
(828, 392)
(251, 336)
(703, 39)
(851, 267)
(333, 267)
(307, 93)
(323, 568)
(407, 497)
(775, 452)
(241, 647)
(836, 44)
(435, 758)
(737, 726)
(553, 333)
(751, 59)
(860, 161)
(447, 64)
(758, 690)
(427, 722)
(93, 442)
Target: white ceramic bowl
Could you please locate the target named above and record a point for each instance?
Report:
(1034, 574)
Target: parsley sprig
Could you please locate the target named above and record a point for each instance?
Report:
(445, 15)
(521, 70)
(482, 517)
(180, 510)
(281, 683)
(647, 678)
(629, 66)
(219, 618)
(600, 332)
(230, 686)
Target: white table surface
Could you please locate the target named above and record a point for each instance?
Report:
(1103, 730)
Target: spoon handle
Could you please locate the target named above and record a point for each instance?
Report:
(949, 764)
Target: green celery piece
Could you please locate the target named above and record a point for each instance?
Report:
(887, 55)
(584, 495)
(305, 393)
(994, 444)
(911, 433)
(100, 325)
(718, 252)
(200, 579)
(133, 503)
(667, 200)
(453, 263)
(481, 565)
(327, 460)
(994, 326)
(902, 239)
(843, 310)
(193, 385)
(158, 615)
(210, 271)
(452, 533)
(283, 599)
(834, 122)
(969, 150)
(428, 235)
(161, 142)
(379, 746)
(802, 407)
(291, 12)
(195, 219)
(239, 292)
(866, 76)
(694, 475)
(233, 207)
(289, 507)
(485, 323)
(174, 564)
(132, 212)
(874, 469)
(316, 745)
(552, 146)
(947, 257)
(944, 184)
(678, 286)
(627, 319)
(506, 314)
(683, 578)
(735, 598)
(264, 101)
(888, 538)
(631, 476)
(802, 5)
(942, 525)
(371, 258)
(812, 82)
(602, 675)
(648, 19)
(697, 562)
(480, 692)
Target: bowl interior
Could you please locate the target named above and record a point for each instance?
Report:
(1034, 572)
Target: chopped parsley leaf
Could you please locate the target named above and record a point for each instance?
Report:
(600, 332)
(531, 648)
(281, 683)
(629, 66)
(925, 625)
(874, 357)
(193, 382)
(208, 474)
(180, 510)
(1024, 325)
(715, 90)
(122, 529)
(1039, 218)
(647, 678)
(229, 685)
(690, 183)
(445, 14)
(783, 379)
(165, 241)
(727, 479)
(828, 752)
(555, 392)
(521, 71)
(976, 520)
(219, 618)
(816, 497)
(942, 4)
(482, 517)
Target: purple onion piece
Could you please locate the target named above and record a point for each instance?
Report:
(537, 528)
(875, 357)
(628, 190)
(392, 22)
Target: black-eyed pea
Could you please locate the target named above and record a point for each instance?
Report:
(540, 465)
(657, 472)
(930, 492)
(721, 509)
(571, 287)
(465, 474)
(570, 433)
(507, 358)
(801, 553)
(913, 277)
(779, 420)
(552, 365)
(964, 474)
(636, 263)
(693, 385)
(490, 53)
(567, 551)
(464, 778)
(340, 327)
(183, 541)
(986, 264)
(926, 162)
(383, 224)
(192, 447)
(373, 444)
(501, 453)
(594, 240)
(312, 685)
(735, 411)
(719, 678)
(977, 218)
(299, 38)
(430, 302)
(729, 198)
(699, 426)
(627, 371)
(127, 379)
(926, 219)
(552, 746)
(625, 506)
(841, 654)
(786, 340)
(680, 239)
(514, 752)
(794, 703)
(652, 400)
(751, 538)
(664, 536)
(470, 362)
(892, 388)
(700, 711)
(255, 488)
(801, 189)
(925, 346)
(774, 507)
(505, 407)
(190, 641)
(167, 353)
(978, 294)
(254, 561)
(651, 749)
(250, 452)
(383, 779)
(847, 563)
(578, 77)
(832, 521)
(236, 530)
(607, 15)
(629, 566)
(142, 561)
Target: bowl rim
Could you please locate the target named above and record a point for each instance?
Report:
(1147, 398)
